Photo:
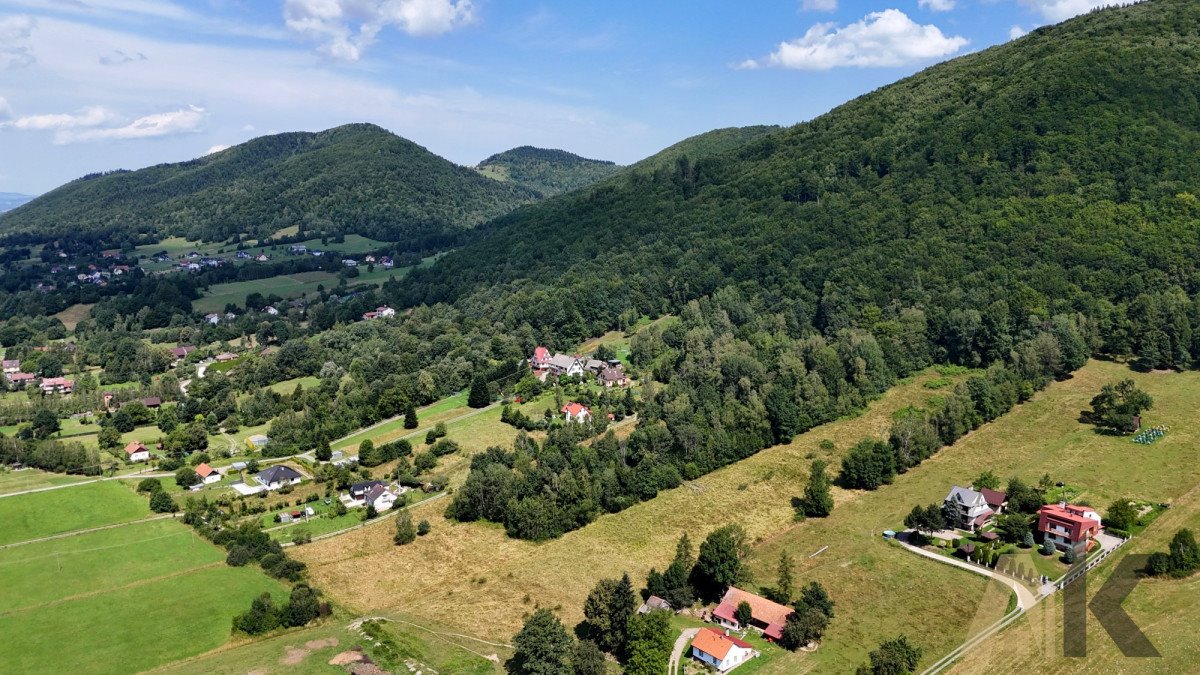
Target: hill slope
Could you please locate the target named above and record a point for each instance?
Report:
(356, 178)
(11, 200)
(548, 172)
(1043, 173)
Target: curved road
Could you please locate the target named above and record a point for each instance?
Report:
(681, 644)
(1025, 597)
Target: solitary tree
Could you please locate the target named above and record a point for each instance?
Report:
(161, 502)
(743, 614)
(479, 396)
(649, 644)
(542, 647)
(988, 480)
(720, 563)
(786, 581)
(1117, 406)
(405, 532)
(410, 416)
(895, 657)
(1121, 514)
(817, 502)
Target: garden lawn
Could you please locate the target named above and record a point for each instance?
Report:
(41, 514)
(47, 571)
(134, 627)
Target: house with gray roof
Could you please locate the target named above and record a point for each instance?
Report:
(966, 509)
(277, 476)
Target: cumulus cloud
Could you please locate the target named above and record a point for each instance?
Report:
(819, 5)
(215, 149)
(345, 28)
(936, 5)
(1060, 10)
(887, 38)
(1016, 32)
(97, 123)
(15, 51)
(117, 58)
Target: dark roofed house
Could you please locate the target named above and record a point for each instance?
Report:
(652, 603)
(996, 500)
(277, 476)
(358, 490)
(182, 351)
(152, 401)
(613, 377)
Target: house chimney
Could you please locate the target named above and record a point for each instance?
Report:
(1063, 504)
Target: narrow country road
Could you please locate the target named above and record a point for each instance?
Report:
(1025, 597)
(681, 644)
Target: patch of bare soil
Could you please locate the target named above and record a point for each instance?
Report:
(348, 657)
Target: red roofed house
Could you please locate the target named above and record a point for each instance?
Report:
(765, 615)
(136, 452)
(57, 385)
(226, 356)
(576, 412)
(207, 473)
(723, 652)
(12, 366)
(1068, 525)
(540, 359)
(997, 501)
(19, 380)
(181, 351)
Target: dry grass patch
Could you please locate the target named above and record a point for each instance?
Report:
(71, 316)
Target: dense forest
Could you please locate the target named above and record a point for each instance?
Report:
(356, 178)
(548, 172)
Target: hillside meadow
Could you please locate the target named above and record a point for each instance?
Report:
(42, 514)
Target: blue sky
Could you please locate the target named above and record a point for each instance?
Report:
(92, 85)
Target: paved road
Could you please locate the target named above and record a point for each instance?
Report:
(680, 644)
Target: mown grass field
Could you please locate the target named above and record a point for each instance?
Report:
(32, 479)
(118, 600)
(287, 286)
(71, 316)
(473, 570)
(41, 514)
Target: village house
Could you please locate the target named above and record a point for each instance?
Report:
(997, 501)
(386, 262)
(369, 259)
(381, 498)
(57, 385)
(613, 377)
(299, 249)
(152, 402)
(262, 257)
(1069, 526)
(213, 319)
(652, 603)
(576, 412)
(966, 509)
(359, 490)
(181, 351)
(767, 616)
(226, 356)
(19, 380)
(137, 452)
(349, 262)
(277, 476)
(271, 310)
(207, 473)
(721, 651)
(12, 366)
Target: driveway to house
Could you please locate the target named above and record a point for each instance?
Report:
(681, 643)
(1025, 597)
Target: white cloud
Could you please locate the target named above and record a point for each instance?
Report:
(345, 28)
(15, 51)
(216, 148)
(1060, 10)
(886, 38)
(1016, 32)
(91, 116)
(6, 111)
(819, 5)
(936, 5)
(96, 123)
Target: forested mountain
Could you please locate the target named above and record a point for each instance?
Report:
(706, 144)
(11, 200)
(548, 172)
(1018, 208)
(356, 178)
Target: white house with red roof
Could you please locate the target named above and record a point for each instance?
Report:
(12, 366)
(207, 473)
(767, 616)
(576, 412)
(19, 380)
(57, 385)
(540, 359)
(137, 452)
(721, 651)
(1069, 526)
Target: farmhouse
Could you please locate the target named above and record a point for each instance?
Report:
(723, 652)
(208, 474)
(276, 477)
(152, 402)
(1068, 526)
(12, 366)
(182, 351)
(966, 509)
(137, 452)
(226, 356)
(576, 412)
(19, 380)
(613, 377)
(57, 385)
(767, 616)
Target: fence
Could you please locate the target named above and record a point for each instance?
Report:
(1074, 574)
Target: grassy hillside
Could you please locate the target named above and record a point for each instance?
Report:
(548, 172)
(356, 178)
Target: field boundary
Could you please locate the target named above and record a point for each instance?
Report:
(75, 533)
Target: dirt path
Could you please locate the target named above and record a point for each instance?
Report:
(681, 643)
(74, 533)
